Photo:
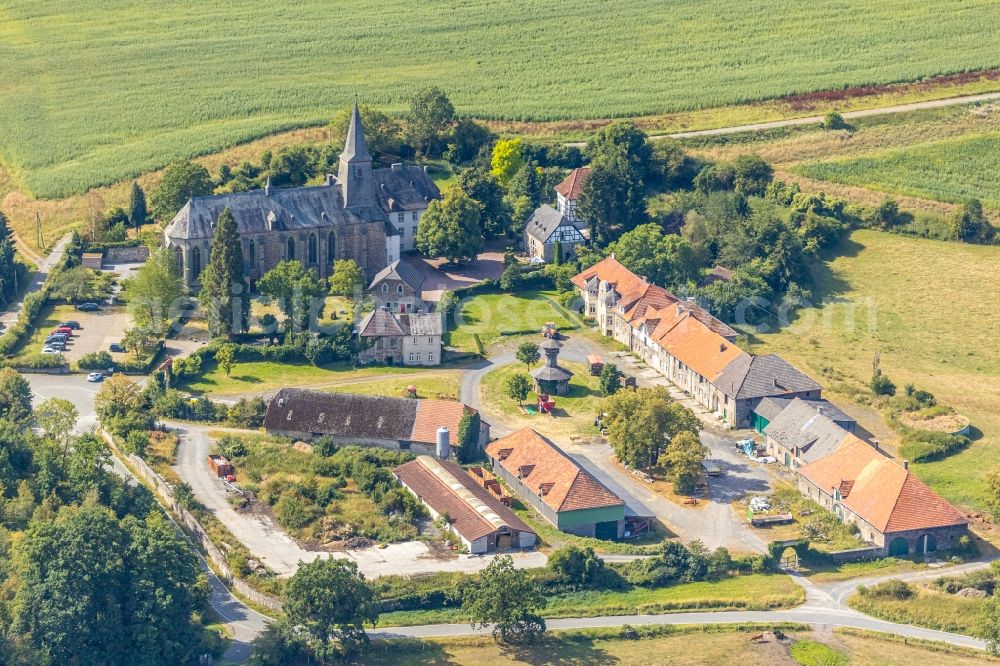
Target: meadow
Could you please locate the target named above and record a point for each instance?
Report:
(952, 170)
(929, 308)
(110, 91)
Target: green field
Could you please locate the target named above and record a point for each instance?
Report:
(496, 317)
(105, 90)
(953, 170)
(934, 308)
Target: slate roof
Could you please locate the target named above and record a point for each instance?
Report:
(762, 376)
(882, 492)
(573, 183)
(404, 188)
(402, 271)
(382, 322)
(770, 407)
(800, 426)
(548, 373)
(356, 148)
(545, 468)
(361, 416)
(446, 488)
(545, 220)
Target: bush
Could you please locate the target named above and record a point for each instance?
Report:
(882, 385)
(14, 335)
(925, 445)
(96, 361)
(39, 361)
(834, 121)
(890, 589)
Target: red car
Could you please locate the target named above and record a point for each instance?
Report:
(63, 329)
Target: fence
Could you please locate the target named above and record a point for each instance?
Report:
(165, 493)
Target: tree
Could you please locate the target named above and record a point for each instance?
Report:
(612, 199)
(507, 159)
(579, 567)
(528, 353)
(495, 213)
(625, 140)
(970, 224)
(506, 599)
(347, 279)
(510, 279)
(74, 285)
(154, 292)
(180, 182)
(610, 379)
(643, 422)
(224, 294)
(451, 228)
(516, 387)
(9, 267)
(834, 121)
(138, 340)
(467, 139)
(751, 175)
(332, 602)
(993, 493)
(683, 459)
(663, 259)
(226, 358)
(988, 626)
(15, 396)
(431, 112)
(383, 133)
(298, 291)
(137, 211)
(57, 418)
(118, 396)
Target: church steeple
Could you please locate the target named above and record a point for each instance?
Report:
(355, 173)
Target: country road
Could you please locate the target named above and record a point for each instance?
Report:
(815, 120)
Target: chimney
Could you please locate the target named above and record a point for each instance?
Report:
(722, 347)
(906, 465)
(330, 179)
(875, 444)
(443, 444)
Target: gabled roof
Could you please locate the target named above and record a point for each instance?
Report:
(638, 304)
(611, 271)
(566, 485)
(447, 488)
(717, 274)
(882, 492)
(763, 376)
(770, 407)
(699, 347)
(401, 271)
(545, 220)
(573, 184)
(363, 416)
(800, 426)
(402, 188)
(382, 322)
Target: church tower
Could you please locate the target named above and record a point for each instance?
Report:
(355, 173)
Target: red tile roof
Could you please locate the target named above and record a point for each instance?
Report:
(432, 414)
(573, 184)
(638, 304)
(610, 270)
(696, 345)
(879, 490)
(554, 476)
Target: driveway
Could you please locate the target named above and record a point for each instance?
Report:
(439, 278)
(10, 316)
(282, 554)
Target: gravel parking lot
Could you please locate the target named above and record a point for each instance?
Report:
(98, 330)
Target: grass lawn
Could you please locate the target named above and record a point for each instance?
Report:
(258, 376)
(440, 384)
(574, 413)
(880, 567)
(929, 310)
(753, 592)
(495, 317)
(699, 54)
(929, 608)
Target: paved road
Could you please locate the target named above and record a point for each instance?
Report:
(815, 120)
(9, 317)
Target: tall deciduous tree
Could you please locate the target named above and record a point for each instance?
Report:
(15, 396)
(664, 259)
(224, 294)
(153, 294)
(642, 423)
(683, 459)
(507, 159)
(451, 228)
(483, 187)
(332, 602)
(507, 600)
(528, 353)
(137, 210)
(516, 387)
(431, 113)
(347, 279)
(180, 183)
(8, 261)
(57, 417)
(612, 199)
(298, 291)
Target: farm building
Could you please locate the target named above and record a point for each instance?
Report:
(893, 509)
(564, 493)
(400, 339)
(404, 424)
(768, 409)
(479, 519)
(802, 433)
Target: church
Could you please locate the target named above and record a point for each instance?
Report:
(365, 214)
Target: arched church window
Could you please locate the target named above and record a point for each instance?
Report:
(331, 248)
(291, 249)
(195, 263)
(312, 248)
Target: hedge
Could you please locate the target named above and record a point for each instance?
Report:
(17, 333)
(37, 361)
(925, 445)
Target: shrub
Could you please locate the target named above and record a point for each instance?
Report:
(890, 589)
(925, 445)
(834, 121)
(96, 361)
(39, 361)
(136, 442)
(882, 385)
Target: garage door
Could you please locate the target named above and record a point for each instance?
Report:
(607, 530)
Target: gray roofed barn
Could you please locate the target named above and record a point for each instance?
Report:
(346, 415)
(769, 408)
(804, 433)
(750, 377)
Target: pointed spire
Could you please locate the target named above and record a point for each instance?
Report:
(267, 187)
(356, 150)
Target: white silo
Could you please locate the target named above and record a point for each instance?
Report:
(443, 443)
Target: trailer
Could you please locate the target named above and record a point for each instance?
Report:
(221, 466)
(596, 364)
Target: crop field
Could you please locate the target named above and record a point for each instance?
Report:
(107, 90)
(952, 170)
(929, 309)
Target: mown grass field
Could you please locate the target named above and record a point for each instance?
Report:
(110, 91)
(952, 170)
(929, 308)
(496, 317)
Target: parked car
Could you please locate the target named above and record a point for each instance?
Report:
(55, 344)
(63, 329)
(88, 307)
(95, 377)
(57, 337)
(116, 347)
(75, 325)
(50, 350)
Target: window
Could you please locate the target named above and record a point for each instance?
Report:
(392, 343)
(430, 341)
(195, 263)
(312, 248)
(399, 289)
(418, 356)
(252, 251)
(416, 215)
(180, 261)
(385, 288)
(411, 356)
(430, 356)
(399, 218)
(331, 248)
(414, 231)
(290, 249)
(415, 341)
